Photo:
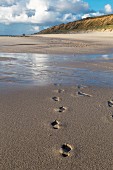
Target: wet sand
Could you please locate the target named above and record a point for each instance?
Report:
(29, 140)
(85, 43)
(57, 127)
(102, 65)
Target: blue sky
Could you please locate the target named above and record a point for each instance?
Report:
(99, 4)
(30, 16)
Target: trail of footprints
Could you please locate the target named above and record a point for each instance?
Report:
(66, 149)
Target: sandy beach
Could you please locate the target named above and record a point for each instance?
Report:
(57, 127)
(85, 43)
(30, 141)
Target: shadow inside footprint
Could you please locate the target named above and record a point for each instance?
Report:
(60, 90)
(110, 103)
(61, 109)
(83, 94)
(65, 150)
(56, 98)
(56, 124)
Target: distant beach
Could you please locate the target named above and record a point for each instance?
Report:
(84, 43)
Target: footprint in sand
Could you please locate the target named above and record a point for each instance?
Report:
(61, 109)
(65, 150)
(83, 94)
(56, 124)
(56, 99)
(60, 90)
(110, 103)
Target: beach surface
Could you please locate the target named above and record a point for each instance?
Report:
(29, 140)
(61, 126)
(84, 43)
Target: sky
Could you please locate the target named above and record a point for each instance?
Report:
(19, 17)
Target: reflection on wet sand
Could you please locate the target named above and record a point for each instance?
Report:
(42, 69)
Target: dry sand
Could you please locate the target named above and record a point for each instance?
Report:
(29, 142)
(84, 43)
(31, 139)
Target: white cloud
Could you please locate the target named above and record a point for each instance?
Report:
(36, 28)
(93, 14)
(73, 6)
(86, 16)
(108, 8)
(69, 17)
(6, 2)
(41, 12)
